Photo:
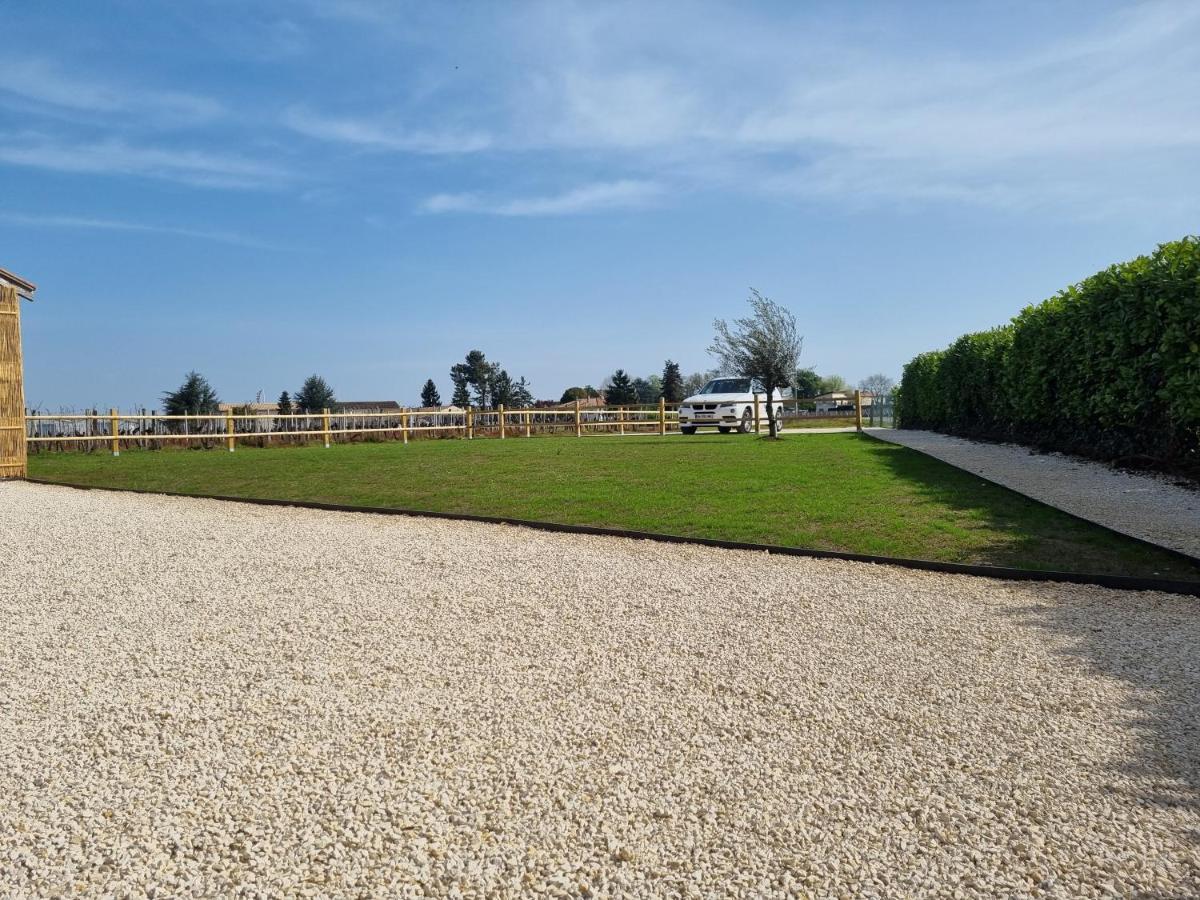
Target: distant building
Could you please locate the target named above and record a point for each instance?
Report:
(358, 407)
(257, 409)
(840, 401)
(367, 406)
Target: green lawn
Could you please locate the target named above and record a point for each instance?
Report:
(828, 491)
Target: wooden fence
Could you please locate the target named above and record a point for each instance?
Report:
(115, 430)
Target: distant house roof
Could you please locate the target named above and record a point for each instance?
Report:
(22, 286)
(256, 408)
(439, 409)
(584, 403)
(836, 396)
(366, 406)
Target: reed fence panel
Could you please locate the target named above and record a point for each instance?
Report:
(12, 399)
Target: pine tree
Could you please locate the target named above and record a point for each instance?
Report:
(462, 395)
(315, 395)
(430, 395)
(672, 382)
(477, 373)
(194, 397)
(522, 397)
(501, 389)
(283, 407)
(620, 390)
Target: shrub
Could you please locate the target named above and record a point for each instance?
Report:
(1109, 367)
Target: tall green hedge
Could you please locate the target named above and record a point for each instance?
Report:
(1109, 367)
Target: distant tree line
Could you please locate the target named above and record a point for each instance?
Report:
(483, 384)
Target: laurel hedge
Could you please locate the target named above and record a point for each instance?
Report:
(1108, 368)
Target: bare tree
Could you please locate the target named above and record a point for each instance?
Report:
(880, 386)
(764, 346)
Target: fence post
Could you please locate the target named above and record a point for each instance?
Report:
(578, 424)
(229, 429)
(662, 416)
(470, 420)
(528, 429)
(325, 425)
(858, 410)
(404, 426)
(757, 417)
(500, 416)
(113, 428)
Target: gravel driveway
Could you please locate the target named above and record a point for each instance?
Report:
(200, 698)
(1145, 505)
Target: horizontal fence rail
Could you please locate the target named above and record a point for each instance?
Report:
(116, 430)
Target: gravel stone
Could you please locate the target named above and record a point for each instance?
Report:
(216, 699)
(1144, 505)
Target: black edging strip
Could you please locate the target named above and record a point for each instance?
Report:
(1120, 582)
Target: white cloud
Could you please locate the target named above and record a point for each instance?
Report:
(112, 156)
(41, 84)
(590, 198)
(1102, 111)
(94, 224)
(376, 134)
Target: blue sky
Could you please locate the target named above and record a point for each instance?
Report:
(369, 189)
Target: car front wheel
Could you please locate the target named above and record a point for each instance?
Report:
(688, 429)
(747, 425)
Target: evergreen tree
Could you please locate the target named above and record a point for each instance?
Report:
(284, 408)
(522, 397)
(476, 373)
(672, 382)
(430, 395)
(194, 397)
(462, 394)
(620, 390)
(502, 389)
(314, 395)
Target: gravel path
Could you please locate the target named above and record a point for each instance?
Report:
(212, 699)
(1148, 506)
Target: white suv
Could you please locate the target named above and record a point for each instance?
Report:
(727, 403)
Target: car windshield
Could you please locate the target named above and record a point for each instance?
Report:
(727, 386)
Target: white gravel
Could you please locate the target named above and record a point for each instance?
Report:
(207, 699)
(1149, 506)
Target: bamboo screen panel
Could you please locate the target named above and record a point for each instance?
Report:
(12, 395)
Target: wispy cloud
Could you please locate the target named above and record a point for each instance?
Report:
(590, 198)
(112, 156)
(95, 224)
(377, 134)
(1087, 114)
(40, 83)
